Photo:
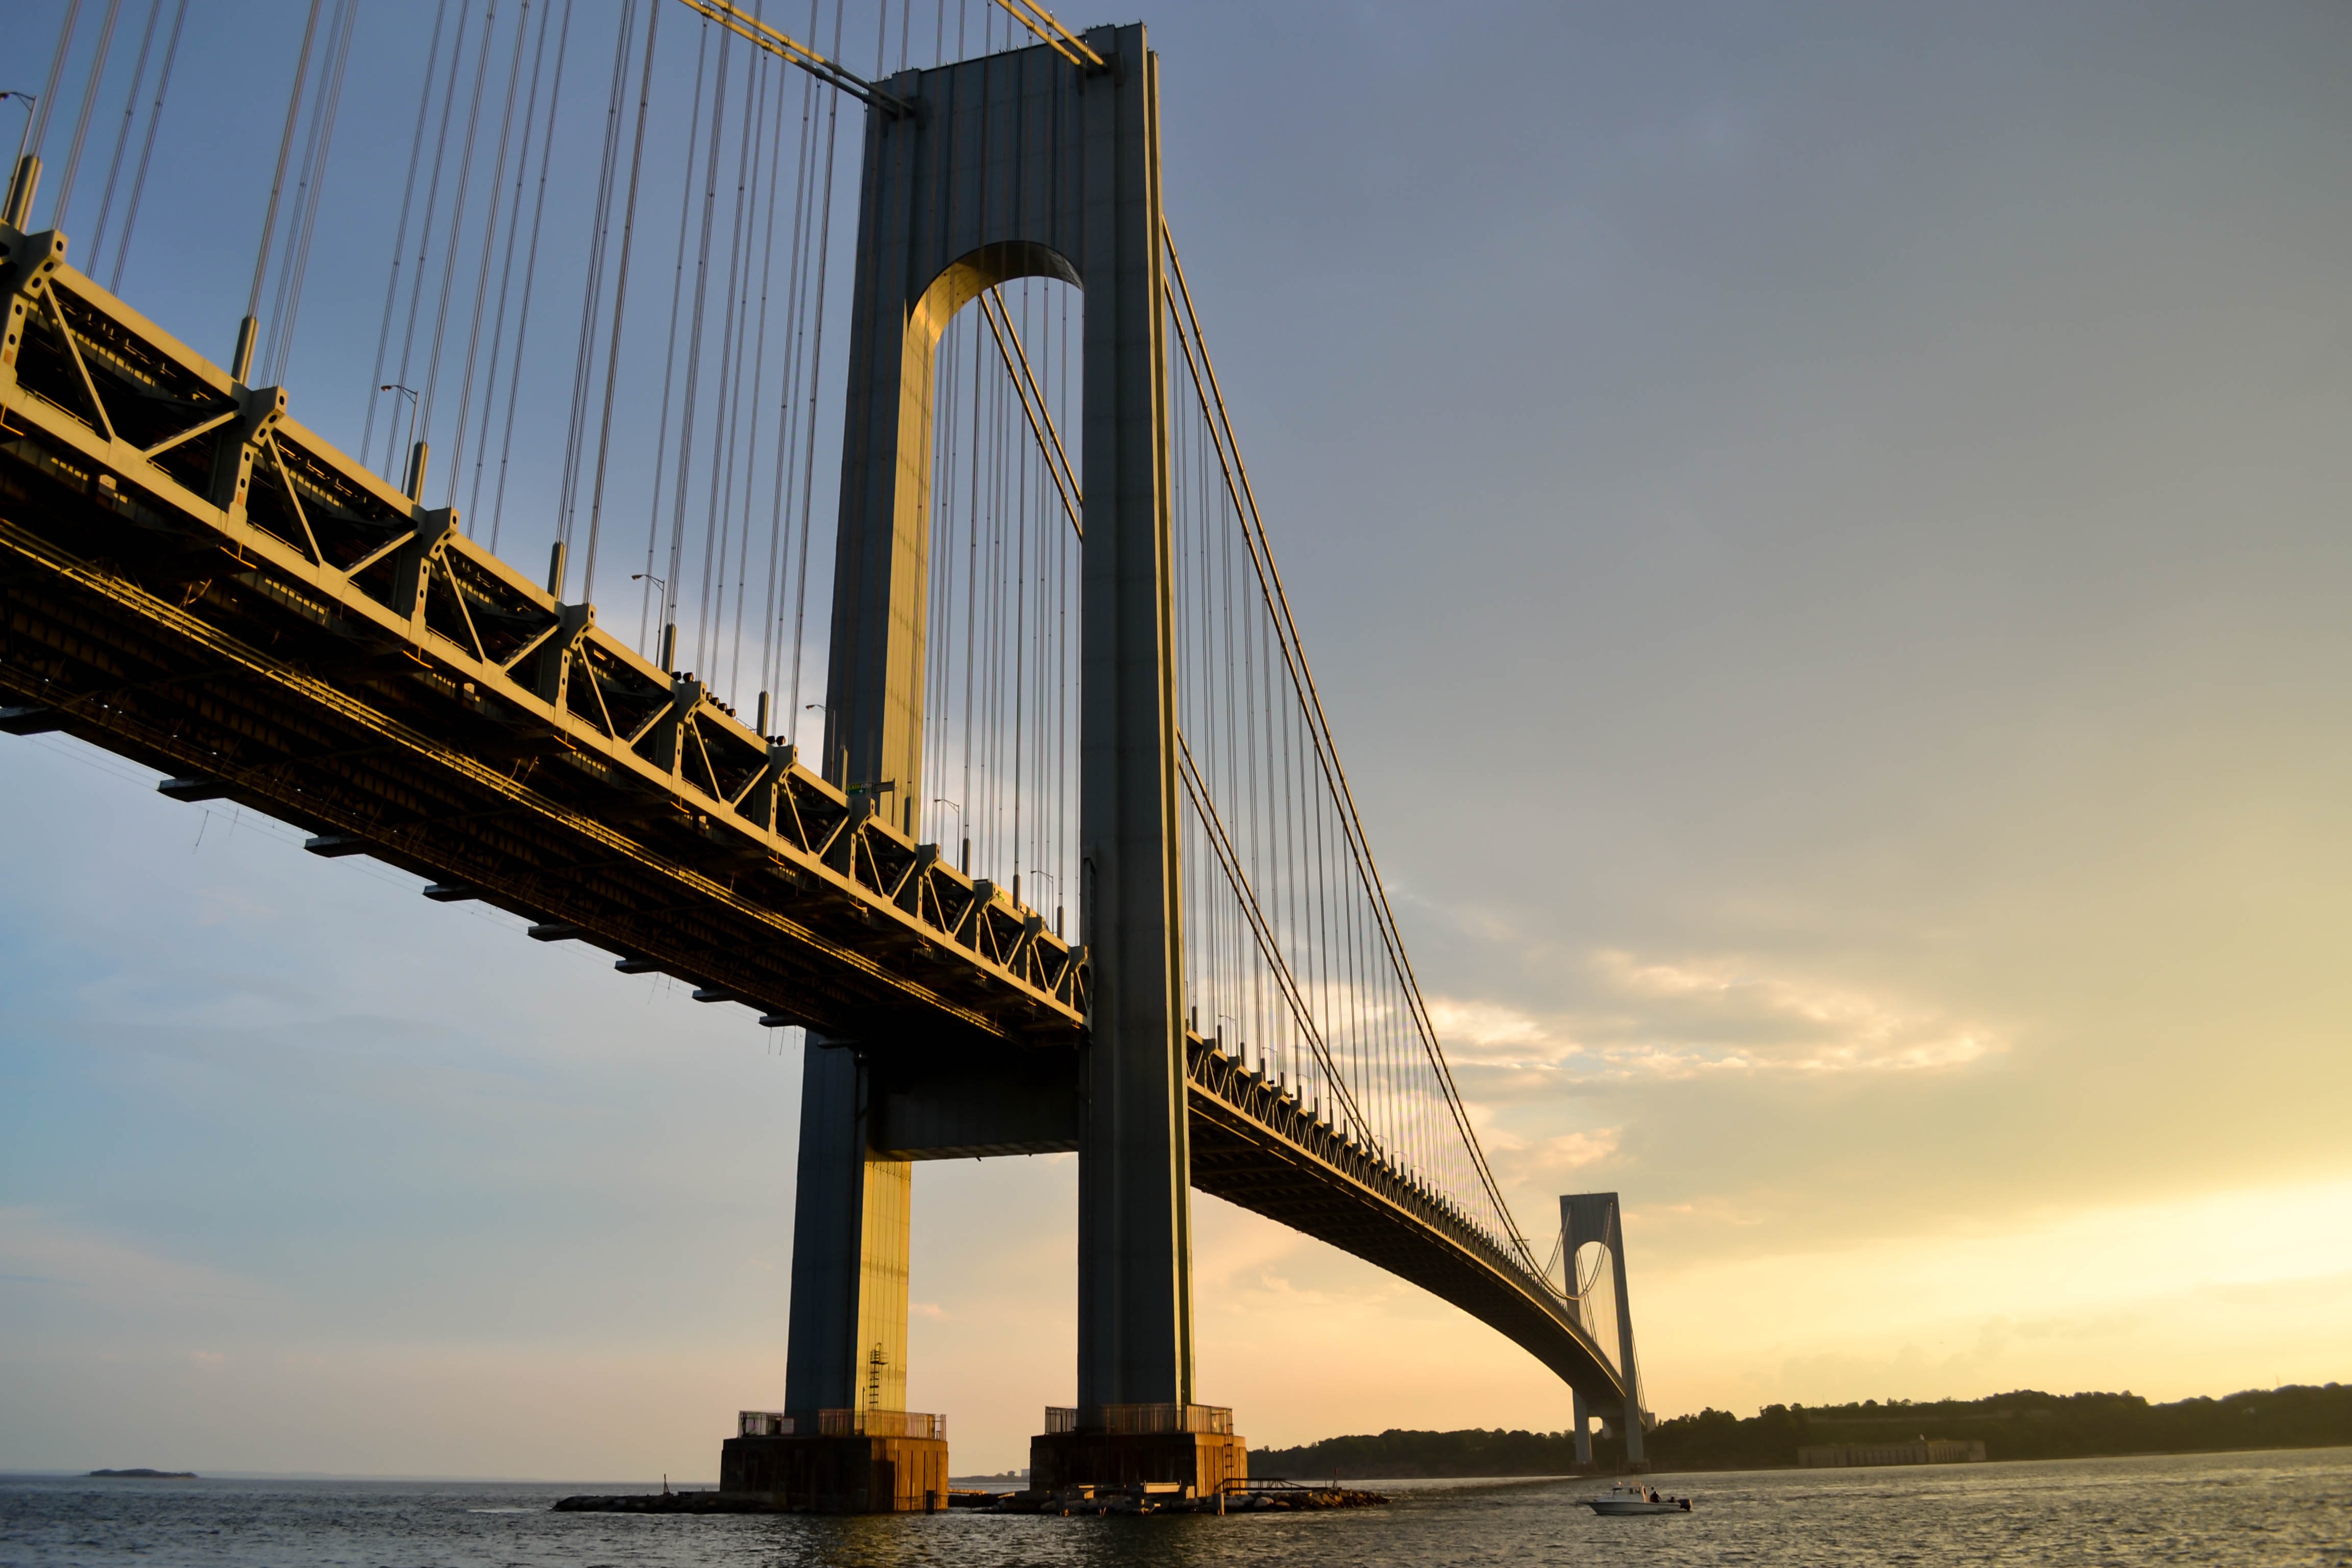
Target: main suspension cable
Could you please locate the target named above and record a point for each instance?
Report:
(1349, 819)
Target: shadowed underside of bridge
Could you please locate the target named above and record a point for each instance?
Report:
(315, 645)
(193, 579)
(1257, 1148)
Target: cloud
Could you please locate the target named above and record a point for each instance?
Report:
(1573, 1151)
(1722, 1015)
(1484, 1024)
(1649, 1018)
(1521, 1163)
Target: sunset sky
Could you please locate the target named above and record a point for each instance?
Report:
(1823, 531)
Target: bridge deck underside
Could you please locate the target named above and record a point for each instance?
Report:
(191, 580)
(164, 692)
(1258, 1150)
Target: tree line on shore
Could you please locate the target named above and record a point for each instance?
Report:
(2025, 1425)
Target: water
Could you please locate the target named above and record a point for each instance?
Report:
(2233, 1510)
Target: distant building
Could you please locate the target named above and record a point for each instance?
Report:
(1839, 1455)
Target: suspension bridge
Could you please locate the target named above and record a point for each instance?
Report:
(1071, 861)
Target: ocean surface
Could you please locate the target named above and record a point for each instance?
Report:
(2227, 1509)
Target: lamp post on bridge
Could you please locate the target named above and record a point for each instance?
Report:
(25, 171)
(963, 862)
(669, 627)
(415, 487)
(1041, 874)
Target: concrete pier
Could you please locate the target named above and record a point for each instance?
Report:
(1191, 1447)
(836, 1461)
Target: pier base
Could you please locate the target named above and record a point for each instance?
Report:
(836, 1474)
(1201, 1462)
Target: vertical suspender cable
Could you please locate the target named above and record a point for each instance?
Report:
(745, 410)
(38, 131)
(400, 234)
(755, 402)
(591, 292)
(669, 356)
(432, 198)
(122, 136)
(779, 530)
(720, 527)
(429, 393)
(308, 190)
(531, 272)
(825, 256)
(620, 303)
(147, 148)
(285, 147)
(89, 101)
(489, 248)
(506, 276)
(700, 315)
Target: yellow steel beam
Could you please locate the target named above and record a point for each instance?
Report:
(1057, 37)
(754, 31)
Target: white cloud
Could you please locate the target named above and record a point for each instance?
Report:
(1573, 1151)
(1668, 1018)
(1541, 1166)
(1484, 1024)
(1740, 1018)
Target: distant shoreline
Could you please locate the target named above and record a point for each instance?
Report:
(2023, 1425)
(1268, 1458)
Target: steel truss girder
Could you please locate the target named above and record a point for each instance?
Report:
(194, 580)
(1258, 1148)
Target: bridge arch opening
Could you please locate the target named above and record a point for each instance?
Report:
(1592, 1276)
(992, 424)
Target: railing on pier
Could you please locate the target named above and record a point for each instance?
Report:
(881, 1424)
(842, 1424)
(1215, 1419)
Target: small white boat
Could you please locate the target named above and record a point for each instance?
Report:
(1627, 1498)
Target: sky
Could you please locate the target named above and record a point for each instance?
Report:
(1823, 532)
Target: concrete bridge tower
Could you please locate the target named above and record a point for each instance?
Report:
(1594, 1217)
(1025, 163)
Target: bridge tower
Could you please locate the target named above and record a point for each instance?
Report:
(1023, 163)
(1594, 1217)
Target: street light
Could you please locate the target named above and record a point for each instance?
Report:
(1046, 876)
(393, 386)
(963, 863)
(28, 100)
(17, 171)
(669, 627)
